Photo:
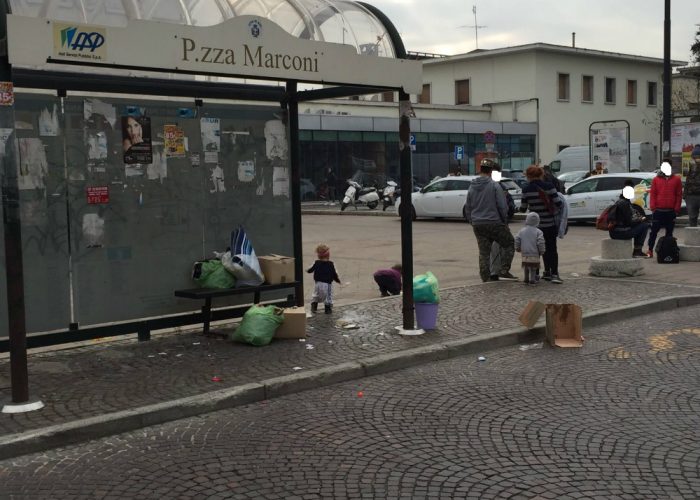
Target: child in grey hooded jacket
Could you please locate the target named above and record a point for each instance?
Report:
(530, 242)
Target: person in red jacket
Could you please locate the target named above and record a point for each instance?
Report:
(665, 203)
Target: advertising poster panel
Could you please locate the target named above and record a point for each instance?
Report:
(136, 139)
(610, 147)
(684, 137)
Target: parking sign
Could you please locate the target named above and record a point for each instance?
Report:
(412, 142)
(459, 152)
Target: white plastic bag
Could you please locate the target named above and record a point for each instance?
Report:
(242, 261)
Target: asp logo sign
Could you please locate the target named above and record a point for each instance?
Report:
(81, 42)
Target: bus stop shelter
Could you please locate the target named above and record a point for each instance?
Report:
(100, 228)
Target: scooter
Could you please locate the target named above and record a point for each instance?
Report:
(357, 195)
(388, 195)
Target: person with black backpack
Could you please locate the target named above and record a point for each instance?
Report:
(552, 179)
(665, 198)
(624, 223)
(541, 197)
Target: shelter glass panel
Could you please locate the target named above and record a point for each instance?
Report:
(40, 150)
(207, 171)
(110, 230)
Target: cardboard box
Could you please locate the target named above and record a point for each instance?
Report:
(563, 322)
(277, 268)
(294, 325)
(532, 312)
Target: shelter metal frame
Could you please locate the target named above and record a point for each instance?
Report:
(288, 97)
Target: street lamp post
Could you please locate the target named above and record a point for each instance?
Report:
(666, 125)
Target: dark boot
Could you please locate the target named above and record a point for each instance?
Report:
(314, 307)
(637, 252)
(329, 308)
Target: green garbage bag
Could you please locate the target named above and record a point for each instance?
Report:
(258, 325)
(425, 288)
(212, 274)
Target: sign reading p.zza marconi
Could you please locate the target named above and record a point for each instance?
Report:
(244, 46)
(248, 55)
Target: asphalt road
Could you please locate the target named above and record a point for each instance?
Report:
(362, 244)
(618, 418)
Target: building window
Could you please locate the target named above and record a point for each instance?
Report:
(563, 88)
(651, 93)
(388, 96)
(609, 91)
(587, 88)
(632, 92)
(424, 97)
(462, 92)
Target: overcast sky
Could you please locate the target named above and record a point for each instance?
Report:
(627, 26)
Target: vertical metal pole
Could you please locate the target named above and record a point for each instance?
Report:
(406, 174)
(295, 173)
(406, 208)
(19, 375)
(666, 144)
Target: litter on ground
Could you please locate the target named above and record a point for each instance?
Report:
(528, 347)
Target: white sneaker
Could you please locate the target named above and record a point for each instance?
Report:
(507, 277)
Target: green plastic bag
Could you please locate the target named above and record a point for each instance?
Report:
(258, 325)
(425, 288)
(212, 274)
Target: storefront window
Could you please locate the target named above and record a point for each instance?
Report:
(376, 154)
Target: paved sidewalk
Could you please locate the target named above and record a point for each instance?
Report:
(106, 388)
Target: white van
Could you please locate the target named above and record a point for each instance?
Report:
(642, 158)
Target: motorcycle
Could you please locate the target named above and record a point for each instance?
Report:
(357, 195)
(388, 195)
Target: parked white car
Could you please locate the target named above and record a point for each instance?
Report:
(571, 178)
(589, 197)
(447, 196)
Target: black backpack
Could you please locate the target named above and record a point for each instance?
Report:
(667, 251)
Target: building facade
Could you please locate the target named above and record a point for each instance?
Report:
(536, 99)
(562, 89)
(360, 138)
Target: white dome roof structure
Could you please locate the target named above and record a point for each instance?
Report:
(340, 21)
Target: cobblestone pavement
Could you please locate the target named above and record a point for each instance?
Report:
(618, 418)
(104, 378)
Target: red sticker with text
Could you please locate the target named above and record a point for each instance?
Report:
(97, 195)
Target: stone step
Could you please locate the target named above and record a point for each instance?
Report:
(616, 249)
(616, 268)
(691, 236)
(690, 253)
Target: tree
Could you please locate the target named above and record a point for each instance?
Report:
(695, 48)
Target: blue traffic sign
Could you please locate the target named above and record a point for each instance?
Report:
(412, 142)
(459, 152)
